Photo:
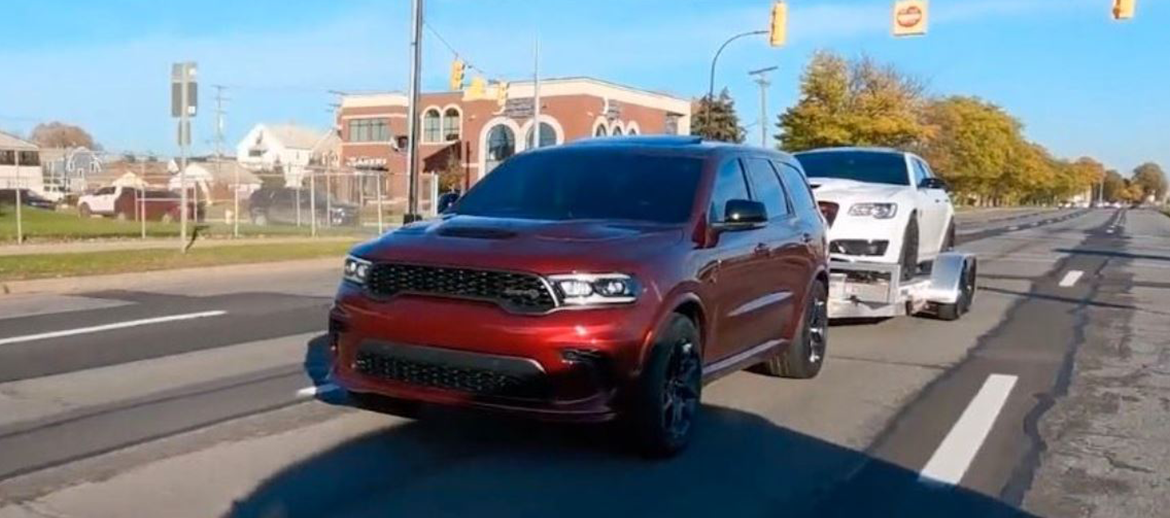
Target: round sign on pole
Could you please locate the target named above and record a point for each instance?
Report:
(910, 17)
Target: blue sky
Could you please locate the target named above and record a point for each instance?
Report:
(1081, 83)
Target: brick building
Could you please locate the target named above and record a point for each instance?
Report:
(472, 131)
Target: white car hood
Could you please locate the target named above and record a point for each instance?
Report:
(839, 190)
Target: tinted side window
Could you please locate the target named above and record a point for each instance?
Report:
(798, 189)
(766, 187)
(105, 190)
(729, 185)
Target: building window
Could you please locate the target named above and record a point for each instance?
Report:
(431, 126)
(548, 136)
(7, 157)
(600, 131)
(30, 158)
(632, 131)
(369, 130)
(452, 120)
(671, 126)
(501, 144)
(617, 131)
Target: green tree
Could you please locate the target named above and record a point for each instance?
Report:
(977, 148)
(715, 119)
(1151, 179)
(856, 102)
(1113, 187)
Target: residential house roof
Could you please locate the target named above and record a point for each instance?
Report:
(293, 136)
(12, 142)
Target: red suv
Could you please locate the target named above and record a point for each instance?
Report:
(601, 279)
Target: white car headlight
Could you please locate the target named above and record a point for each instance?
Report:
(875, 210)
(356, 270)
(584, 289)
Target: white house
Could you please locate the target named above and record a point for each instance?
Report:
(20, 165)
(288, 146)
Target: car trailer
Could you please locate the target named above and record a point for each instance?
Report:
(871, 290)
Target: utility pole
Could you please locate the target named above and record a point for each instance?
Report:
(762, 80)
(219, 113)
(412, 214)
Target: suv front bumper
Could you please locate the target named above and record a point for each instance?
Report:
(565, 365)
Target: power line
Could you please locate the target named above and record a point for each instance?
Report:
(466, 62)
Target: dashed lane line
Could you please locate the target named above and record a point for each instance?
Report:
(956, 452)
(1070, 279)
(110, 327)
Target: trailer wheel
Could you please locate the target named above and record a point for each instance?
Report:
(966, 297)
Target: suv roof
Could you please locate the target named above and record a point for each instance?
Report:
(854, 149)
(690, 143)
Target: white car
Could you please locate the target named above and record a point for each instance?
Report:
(882, 206)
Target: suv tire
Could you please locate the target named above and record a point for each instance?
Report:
(84, 211)
(665, 399)
(259, 219)
(803, 358)
(949, 240)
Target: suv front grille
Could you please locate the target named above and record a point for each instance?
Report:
(386, 365)
(516, 292)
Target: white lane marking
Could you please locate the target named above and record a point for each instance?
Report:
(1071, 278)
(111, 327)
(317, 390)
(952, 458)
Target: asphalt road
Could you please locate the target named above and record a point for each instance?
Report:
(205, 397)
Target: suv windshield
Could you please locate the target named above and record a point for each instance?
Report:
(863, 166)
(587, 184)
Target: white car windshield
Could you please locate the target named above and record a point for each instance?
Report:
(862, 166)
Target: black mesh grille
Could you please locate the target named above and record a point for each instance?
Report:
(483, 382)
(519, 292)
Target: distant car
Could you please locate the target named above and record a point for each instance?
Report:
(122, 203)
(279, 205)
(28, 198)
(882, 205)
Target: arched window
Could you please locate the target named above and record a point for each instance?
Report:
(452, 121)
(548, 136)
(501, 144)
(600, 131)
(632, 131)
(431, 126)
(617, 131)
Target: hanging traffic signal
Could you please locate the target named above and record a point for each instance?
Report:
(778, 32)
(1123, 9)
(457, 75)
(501, 93)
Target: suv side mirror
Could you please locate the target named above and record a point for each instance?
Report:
(742, 214)
(446, 201)
(933, 183)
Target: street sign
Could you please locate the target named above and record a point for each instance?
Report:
(184, 74)
(518, 108)
(910, 17)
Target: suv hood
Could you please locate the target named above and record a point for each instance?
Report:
(525, 245)
(837, 189)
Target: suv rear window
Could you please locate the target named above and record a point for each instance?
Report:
(587, 184)
(863, 166)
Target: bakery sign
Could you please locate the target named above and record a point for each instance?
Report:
(910, 17)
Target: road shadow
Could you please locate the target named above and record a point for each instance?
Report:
(464, 463)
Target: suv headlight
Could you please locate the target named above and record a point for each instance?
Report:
(584, 289)
(876, 210)
(356, 270)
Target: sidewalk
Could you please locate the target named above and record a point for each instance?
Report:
(151, 244)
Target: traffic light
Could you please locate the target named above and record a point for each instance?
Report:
(1123, 9)
(476, 89)
(456, 75)
(779, 27)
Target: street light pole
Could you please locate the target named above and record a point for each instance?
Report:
(711, 85)
(413, 120)
(762, 80)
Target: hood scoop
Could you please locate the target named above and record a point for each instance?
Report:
(476, 232)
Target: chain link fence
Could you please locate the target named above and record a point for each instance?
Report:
(317, 202)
